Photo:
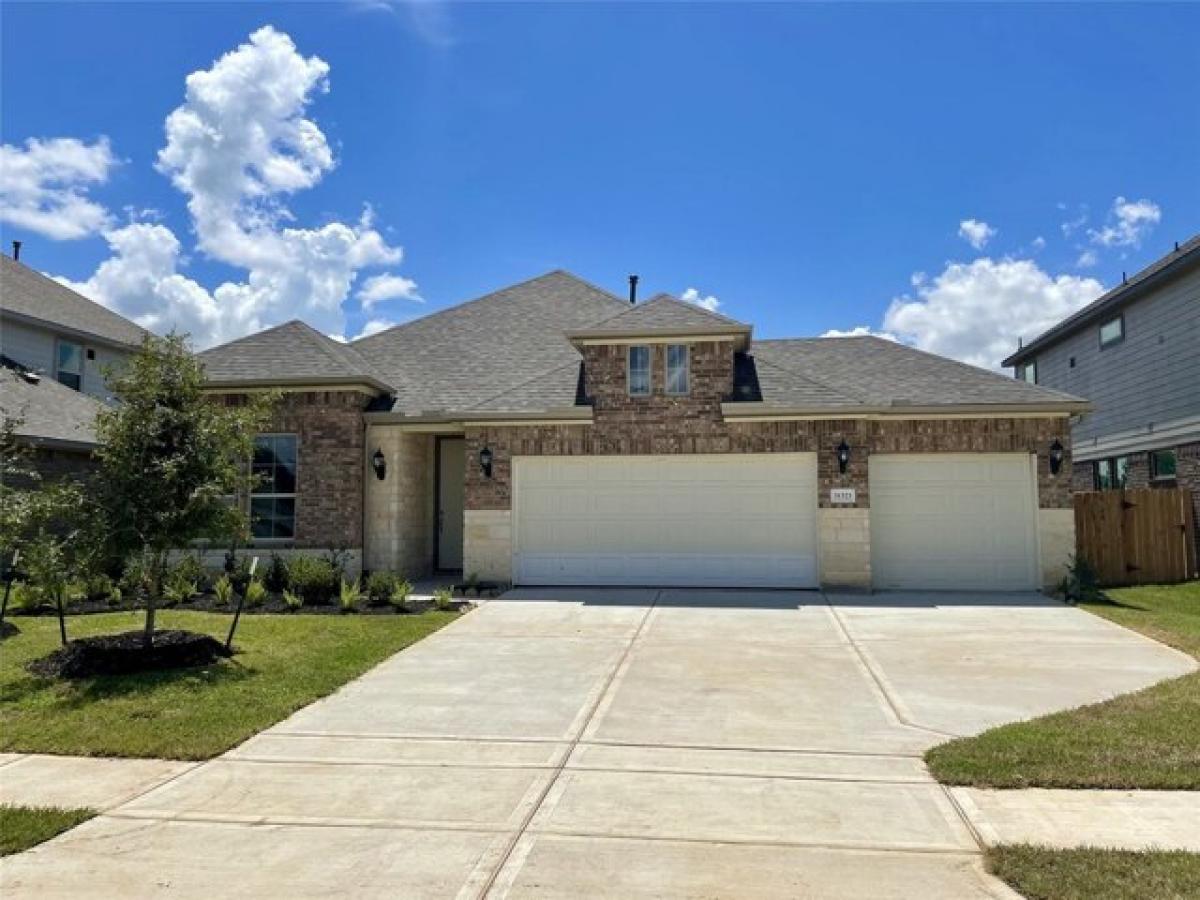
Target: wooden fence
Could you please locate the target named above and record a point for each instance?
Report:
(1143, 536)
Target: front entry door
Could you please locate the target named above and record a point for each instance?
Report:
(451, 473)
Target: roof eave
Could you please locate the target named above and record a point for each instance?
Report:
(87, 336)
(579, 414)
(754, 410)
(739, 334)
(220, 384)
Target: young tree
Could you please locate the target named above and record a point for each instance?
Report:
(171, 458)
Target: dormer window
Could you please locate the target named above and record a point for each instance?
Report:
(1028, 372)
(639, 371)
(69, 365)
(677, 368)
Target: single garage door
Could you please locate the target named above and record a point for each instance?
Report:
(717, 520)
(950, 520)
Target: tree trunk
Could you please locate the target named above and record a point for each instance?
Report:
(155, 589)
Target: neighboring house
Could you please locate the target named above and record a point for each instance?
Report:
(55, 346)
(551, 433)
(1135, 354)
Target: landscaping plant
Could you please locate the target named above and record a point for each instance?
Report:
(380, 585)
(348, 595)
(292, 600)
(398, 598)
(223, 588)
(169, 459)
(313, 578)
(255, 594)
(276, 577)
(443, 599)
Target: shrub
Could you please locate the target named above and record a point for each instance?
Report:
(134, 579)
(276, 578)
(24, 596)
(240, 576)
(348, 595)
(292, 600)
(313, 578)
(223, 588)
(380, 585)
(443, 598)
(188, 569)
(1080, 584)
(256, 593)
(398, 597)
(100, 588)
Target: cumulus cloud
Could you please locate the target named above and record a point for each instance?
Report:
(860, 331)
(237, 147)
(43, 186)
(976, 233)
(974, 312)
(373, 326)
(693, 296)
(1086, 259)
(1038, 244)
(1128, 222)
(379, 288)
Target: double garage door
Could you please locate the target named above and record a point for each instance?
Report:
(938, 521)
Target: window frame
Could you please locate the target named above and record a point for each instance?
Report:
(294, 496)
(1028, 367)
(649, 370)
(687, 370)
(59, 343)
(1113, 466)
(1152, 462)
(1119, 318)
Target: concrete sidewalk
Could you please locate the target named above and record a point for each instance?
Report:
(620, 743)
(101, 783)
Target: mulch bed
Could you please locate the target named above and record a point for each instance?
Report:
(207, 602)
(124, 654)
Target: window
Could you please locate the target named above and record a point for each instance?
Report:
(69, 365)
(1112, 332)
(1162, 465)
(1028, 372)
(273, 497)
(639, 371)
(677, 368)
(1111, 474)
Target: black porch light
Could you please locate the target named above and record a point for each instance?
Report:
(1056, 456)
(379, 464)
(843, 456)
(485, 461)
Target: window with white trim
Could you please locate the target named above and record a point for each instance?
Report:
(1112, 332)
(68, 368)
(677, 368)
(1028, 372)
(273, 496)
(639, 371)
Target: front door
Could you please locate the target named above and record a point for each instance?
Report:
(451, 473)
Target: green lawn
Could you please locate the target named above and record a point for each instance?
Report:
(22, 827)
(1040, 873)
(285, 662)
(1141, 740)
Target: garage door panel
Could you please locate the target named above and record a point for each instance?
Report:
(953, 521)
(674, 520)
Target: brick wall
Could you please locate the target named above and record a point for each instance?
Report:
(1187, 461)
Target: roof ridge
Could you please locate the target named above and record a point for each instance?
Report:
(246, 337)
(488, 296)
(521, 384)
(664, 297)
(332, 348)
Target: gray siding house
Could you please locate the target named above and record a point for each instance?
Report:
(1135, 354)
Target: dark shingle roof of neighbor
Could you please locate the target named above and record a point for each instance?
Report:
(1183, 257)
(460, 357)
(31, 295)
(291, 353)
(510, 352)
(50, 413)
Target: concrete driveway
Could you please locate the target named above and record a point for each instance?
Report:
(620, 743)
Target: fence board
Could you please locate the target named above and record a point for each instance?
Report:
(1141, 536)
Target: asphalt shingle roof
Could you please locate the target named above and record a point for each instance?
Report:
(49, 412)
(30, 294)
(460, 357)
(661, 314)
(291, 353)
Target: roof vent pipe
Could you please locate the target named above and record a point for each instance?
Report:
(16, 250)
(633, 280)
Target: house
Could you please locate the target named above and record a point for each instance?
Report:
(55, 347)
(553, 433)
(1135, 353)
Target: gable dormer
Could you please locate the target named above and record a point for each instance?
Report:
(663, 354)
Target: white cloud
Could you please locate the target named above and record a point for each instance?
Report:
(43, 186)
(373, 326)
(1128, 222)
(693, 296)
(1087, 259)
(976, 233)
(379, 288)
(1038, 244)
(975, 311)
(1070, 226)
(860, 331)
(237, 147)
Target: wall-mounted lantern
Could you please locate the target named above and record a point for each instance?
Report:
(379, 464)
(485, 461)
(843, 456)
(1056, 456)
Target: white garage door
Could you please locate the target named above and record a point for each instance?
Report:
(724, 521)
(950, 520)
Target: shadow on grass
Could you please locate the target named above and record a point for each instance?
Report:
(80, 693)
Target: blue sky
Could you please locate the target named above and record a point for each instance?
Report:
(810, 167)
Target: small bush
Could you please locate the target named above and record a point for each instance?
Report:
(99, 588)
(398, 598)
(223, 588)
(256, 593)
(133, 580)
(313, 578)
(187, 569)
(276, 578)
(380, 585)
(292, 600)
(1081, 584)
(240, 576)
(24, 596)
(348, 595)
(443, 599)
